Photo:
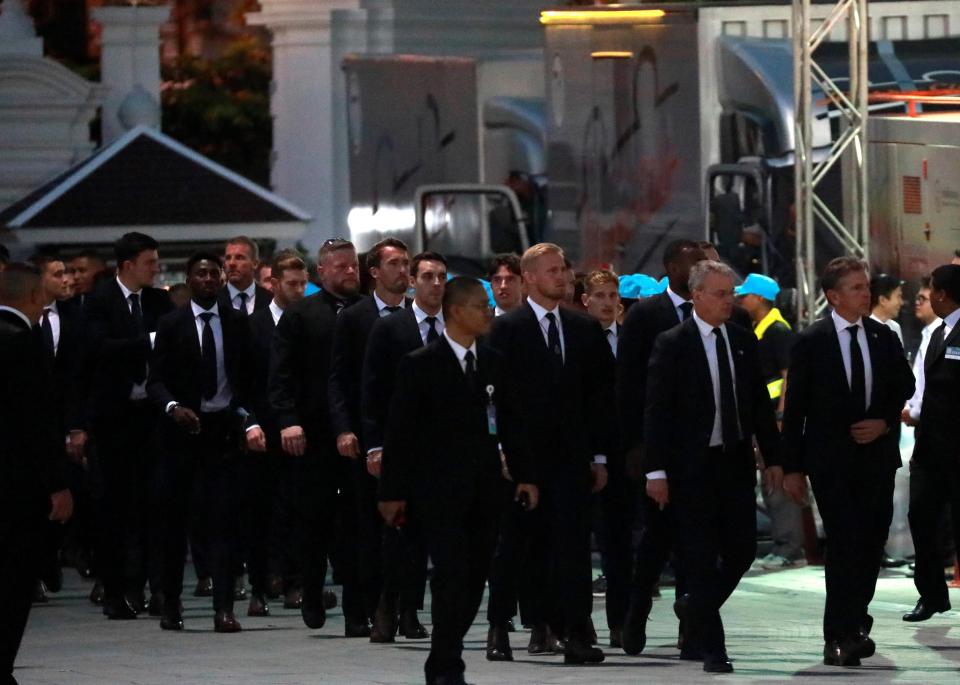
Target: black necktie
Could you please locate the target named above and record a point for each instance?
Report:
(46, 331)
(553, 341)
(208, 357)
(393, 308)
(136, 312)
(431, 329)
(728, 401)
(243, 304)
(858, 377)
(686, 308)
(934, 347)
(470, 369)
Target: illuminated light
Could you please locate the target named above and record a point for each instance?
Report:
(387, 219)
(612, 54)
(548, 17)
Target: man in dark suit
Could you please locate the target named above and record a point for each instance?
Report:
(388, 264)
(241, 257)
(86, 267)
(31, 454)
(706, 402)
(935, 466)
(404, 560)
(452, 478)
(197, 380)
(564, 370)
(846, 385)
(297, 390)
(122, 315)
(646, 320)
(261, 464)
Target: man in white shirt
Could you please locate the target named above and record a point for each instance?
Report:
(925, 314)
(886, 301)
(241, 258)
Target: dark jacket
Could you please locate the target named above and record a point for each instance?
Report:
(70, 370)
(937, 436)
(261, 298)
(258, 366)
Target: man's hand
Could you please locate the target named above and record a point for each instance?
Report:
(532, 492)
(61, 506)
(76, 446)
(293, 440)
(186, 419)
(772, 479)
(374, 462)
(906, 418)
(256, 440)
(659, 491)
(866, 431)
(634, 462)
(795, 485)
(393, 513)
(348, 445)
(599, 474)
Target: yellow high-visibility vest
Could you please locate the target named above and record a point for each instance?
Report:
(774, 387)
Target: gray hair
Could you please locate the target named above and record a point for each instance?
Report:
(700, 271)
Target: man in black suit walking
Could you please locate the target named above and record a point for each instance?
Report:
(453, 477)
(404, 560)
(298, 393)
(847, 383)
(935, 466)
(706, 402)
(31, 454)
(122, 315)
(241, 258)
(564, 370)
(197, 380)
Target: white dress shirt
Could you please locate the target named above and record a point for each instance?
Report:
(251, 292)
(139, 390)
(677, 301)
(843, 335)
(224, 395)
(612, 332)
(950, 322)
(461, 352)
(915, 403)
(53, 316)
(541, 315)
(497, 311)
(422, 321)
(276, 311)
(892, 325)
(382, 306)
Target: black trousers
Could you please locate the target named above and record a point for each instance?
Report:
(260, 477)
(716, 525)
(856, 505)
(459, 527)
(513, 576)
(404, 565)
(933, 487)
(207, 460)
(21, 535)
(345, 553)
(127, 460)
(614, 530)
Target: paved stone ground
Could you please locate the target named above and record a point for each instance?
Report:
(773, 635)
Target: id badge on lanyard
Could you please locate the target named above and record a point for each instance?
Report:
(491, 412)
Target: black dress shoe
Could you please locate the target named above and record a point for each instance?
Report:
(924, 610)
(541, 640)
(293, 599)
(635, 626)
(172, 620)
(835, 654)
(356, 627)
(717, 663)
(274, 586)
(239, 589)
(616, 638)
(52, 575)
(119, 609)
(258, 605)
(204, 587)
(226, 622)
(860, 646)
(384, 629)
(511, 628)
(314, 616)
(577, 651)
(886, 561)
(329, 599)
(498, 644)
(410, 626)
(96, 594)
(40, 593)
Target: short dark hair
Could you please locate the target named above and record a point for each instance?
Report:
(18, 280)
(286, 260)
(673, 250)
(882, 285)
(375, 255)
(507, 259)
(42, 260)
(926, 282)
(201, 256)
(426, 257)
(129, 245)
(947, 279)
(458, 291)
(244, 240)
(334, 245)
(837, 268)
(706, 245)
(87, 253)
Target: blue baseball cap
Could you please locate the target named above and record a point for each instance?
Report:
(635, 286)
(758, 284)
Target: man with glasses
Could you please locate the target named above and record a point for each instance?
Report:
(923, 310)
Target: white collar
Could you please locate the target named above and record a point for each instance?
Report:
(381, 305)
(542, 312)
(53, 308)
(931, 327)
(676, 299)
(875, 318)
(612, 327)
(842, 324)
(705, 328)
(198, 310)
(126, 291)
(422, 315)
(250, 291)
(951, 320)
(459, 349)
(5, 308)
(276, 310)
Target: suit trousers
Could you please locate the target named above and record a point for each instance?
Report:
(21, 535)
(404, 565)
(344, 554)
(513, 576)
(617, 506)
(260, 481)
(933, 487)
(460, 536)
(208, 461)
(856, 505)
(716, 525)
(654, 548)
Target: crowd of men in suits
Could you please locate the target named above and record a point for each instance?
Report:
(152, 416)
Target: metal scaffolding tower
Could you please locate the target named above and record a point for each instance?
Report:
(851, 104)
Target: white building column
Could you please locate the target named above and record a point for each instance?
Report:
(302, 104)
(130, 59)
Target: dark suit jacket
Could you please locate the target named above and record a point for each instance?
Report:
(571, 418)
(937, 436)
(258, 368)
(261, 298)
(176, 374)
(818, 410)
(116, 351)
(346, 365)
(69, 368)
(391, 337)
(437, 434)
(32, 453)
(680, 407)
